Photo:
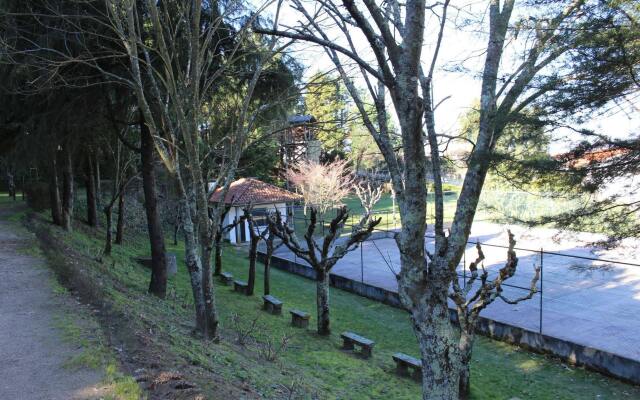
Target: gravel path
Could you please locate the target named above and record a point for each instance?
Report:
(32, 351)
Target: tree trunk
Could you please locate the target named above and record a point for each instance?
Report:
(109, 239)
(176, 228)
(218, 254)
(54, 192)
(465, 348)
(211, 313)
(438, 347)
(67, 189)
(253, 255)
(120, 223)
(158, 283)
(267, 266)
(96, 177)
(194, 266)
(90, 185)
(322, 302)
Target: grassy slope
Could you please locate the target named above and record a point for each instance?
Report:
(316, 364)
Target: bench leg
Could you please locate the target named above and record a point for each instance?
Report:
(347, 344)
(299, 322)
(367, 351)
(277, 310)
(417, 374)
(401, 369)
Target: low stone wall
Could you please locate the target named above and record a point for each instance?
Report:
(572, 353)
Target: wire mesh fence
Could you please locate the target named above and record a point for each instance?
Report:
(573, 286)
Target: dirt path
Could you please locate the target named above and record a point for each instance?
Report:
(32, 349)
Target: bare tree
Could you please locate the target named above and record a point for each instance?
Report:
(271, 247)
(322, 257)
(394, 32)
(322, 186)
(369, 192)
(255, 236)
(173, 81)
(123, 162)
(470, 299)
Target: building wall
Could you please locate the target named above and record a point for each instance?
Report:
(235, 235)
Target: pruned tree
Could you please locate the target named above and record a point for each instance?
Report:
(322, 186)
(322, 256)
(255, 236)
(271, 246)
(476, 294)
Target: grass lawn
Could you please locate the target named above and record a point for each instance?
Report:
(313, 366)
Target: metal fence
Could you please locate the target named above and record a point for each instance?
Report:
(563, 278)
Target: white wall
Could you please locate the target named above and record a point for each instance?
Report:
(236, 212)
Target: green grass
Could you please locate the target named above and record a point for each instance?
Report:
(315, 365)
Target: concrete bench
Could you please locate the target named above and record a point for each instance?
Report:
(272, 305)
(226, 278)
(240, 287)
(299, 319)
(350, 339)
(405, 362)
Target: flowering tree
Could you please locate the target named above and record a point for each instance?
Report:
(322, 186)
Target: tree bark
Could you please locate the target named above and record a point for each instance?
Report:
(108, 212)
(54, 192)
(322, 303)
(90, 186)
(120, 223)
(253, 255)
(465, 348)
(67, 189)
(438, 347)
(158, 283)
(192, 260)
(218, 254)
(97, 179)
(267, 265)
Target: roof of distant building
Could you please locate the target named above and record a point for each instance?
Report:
(253, 191)
(301, 119)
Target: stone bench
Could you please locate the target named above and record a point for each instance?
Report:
(299, 319)
(226, 278)
(351, 339)
(404, 362)
(272, 305)
(240, 287)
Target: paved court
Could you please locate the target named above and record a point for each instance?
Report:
(589, 302)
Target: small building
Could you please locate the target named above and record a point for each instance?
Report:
(264, 198)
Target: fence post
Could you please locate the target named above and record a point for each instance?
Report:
(541, 282)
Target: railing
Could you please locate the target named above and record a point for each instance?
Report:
(536, 256)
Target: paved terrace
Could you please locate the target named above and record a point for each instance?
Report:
(592, 303)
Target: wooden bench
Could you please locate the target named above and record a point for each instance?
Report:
(272, 305)
(299, 319)
(240, 287)
(226, 278)
(351, 339)
(404, 362)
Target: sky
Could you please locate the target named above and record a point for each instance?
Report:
(462, 46)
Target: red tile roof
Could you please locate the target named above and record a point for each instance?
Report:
(253, 191)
